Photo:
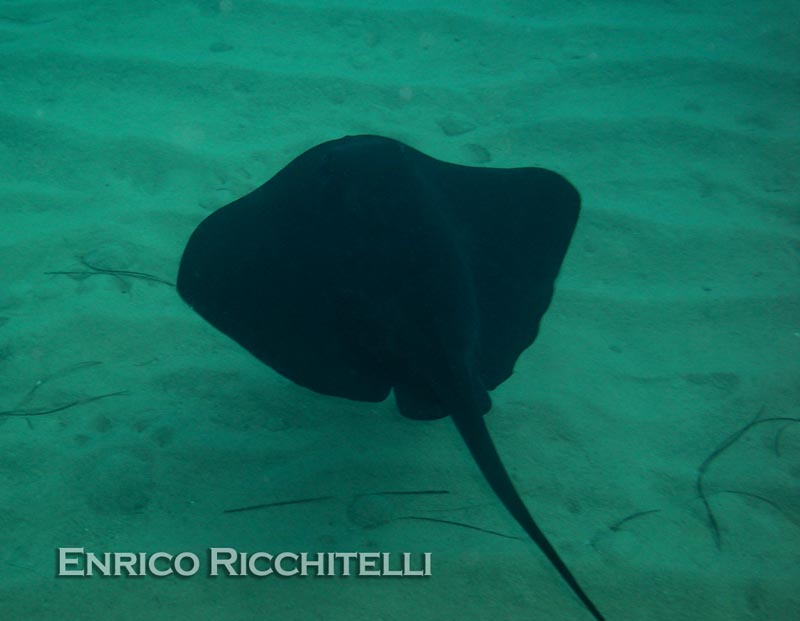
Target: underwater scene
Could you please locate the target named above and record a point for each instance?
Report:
(400, 310)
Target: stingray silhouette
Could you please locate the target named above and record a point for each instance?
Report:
(365, 266)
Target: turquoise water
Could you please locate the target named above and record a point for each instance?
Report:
(130, 425)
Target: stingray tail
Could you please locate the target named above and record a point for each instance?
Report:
(476, 435)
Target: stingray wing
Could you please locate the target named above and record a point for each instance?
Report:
(515, 226)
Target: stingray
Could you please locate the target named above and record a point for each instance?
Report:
(365, 266)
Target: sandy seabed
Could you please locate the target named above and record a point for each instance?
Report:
(675, 320)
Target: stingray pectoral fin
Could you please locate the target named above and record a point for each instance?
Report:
(473, 429)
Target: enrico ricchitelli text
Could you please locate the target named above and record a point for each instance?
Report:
(77, 562)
